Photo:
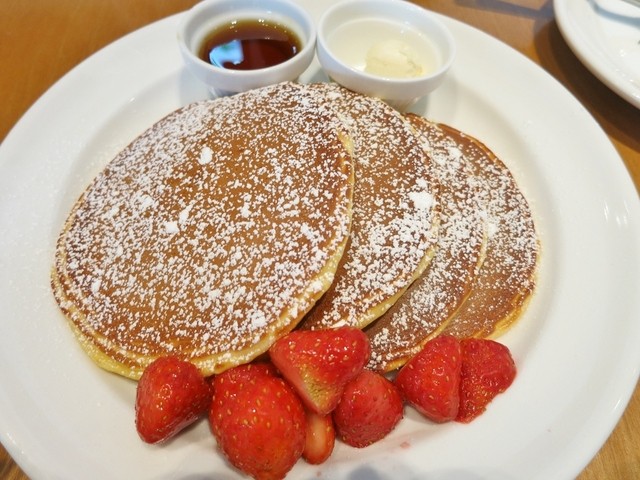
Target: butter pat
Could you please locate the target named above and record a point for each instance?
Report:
(394, 59)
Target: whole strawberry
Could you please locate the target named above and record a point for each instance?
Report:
(369, 409)
(171, 394)
(430, 381)
(319, 363)
(487, 370)
(258, 421)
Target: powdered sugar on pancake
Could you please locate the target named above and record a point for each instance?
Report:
(394, 214)
(433, 298)
(212, 233)
(506, 279)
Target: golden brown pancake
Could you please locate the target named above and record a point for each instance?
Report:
(506, 278)
(394, 224)
(211, 234)
(426, 307)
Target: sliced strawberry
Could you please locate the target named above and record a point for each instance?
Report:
(488, 369)
(370, 408)
(171, 394)
(319, 363)
(321, 437)
(430, 381)
(258, 421)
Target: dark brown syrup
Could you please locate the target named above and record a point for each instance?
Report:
(249, 45)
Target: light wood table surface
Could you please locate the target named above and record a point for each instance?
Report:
(40, 40)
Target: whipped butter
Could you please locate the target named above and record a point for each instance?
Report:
(395, 59)
(384, 48)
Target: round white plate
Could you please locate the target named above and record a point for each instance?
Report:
(605, 36)
(576, 347)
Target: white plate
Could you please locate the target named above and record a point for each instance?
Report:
(576, 347)
(605, 36)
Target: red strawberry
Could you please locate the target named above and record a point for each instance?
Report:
(430, 381)
(258, 421)
(319, 363)
(249, 372)
(370, 408)
(171, 394)
(487, 370)
(321, 437)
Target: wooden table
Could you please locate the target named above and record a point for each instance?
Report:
(40, 40)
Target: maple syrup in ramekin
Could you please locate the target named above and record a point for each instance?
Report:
(249, 45)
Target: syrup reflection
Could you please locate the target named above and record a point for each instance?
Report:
(227, 55)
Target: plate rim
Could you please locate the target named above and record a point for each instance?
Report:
(583, 48)
(33, 112)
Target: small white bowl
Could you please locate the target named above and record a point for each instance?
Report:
(409, 41)
(208, 15)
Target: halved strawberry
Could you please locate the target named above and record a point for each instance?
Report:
(258, 421)
(320, 439)
(430, 381)
(171, 394)
(369, 409)
(319, 363)
(488, 369)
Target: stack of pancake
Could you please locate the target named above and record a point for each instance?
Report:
(232, 221)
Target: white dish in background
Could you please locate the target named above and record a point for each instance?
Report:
(576, 347)
(605, 36)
